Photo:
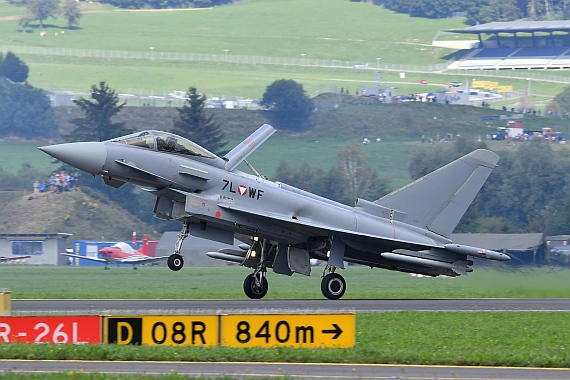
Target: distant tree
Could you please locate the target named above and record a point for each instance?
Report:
(357, 176)
(25, 112)
(25, 21)
(40, 9)
(352, 178)
(196, 125)
(288, 104)
(423, 162)
(307, 177)
(554, 108)
(482, 11)
(534, 187)
(561, 102)
(97, 124)
(71, 12)
(13, 68)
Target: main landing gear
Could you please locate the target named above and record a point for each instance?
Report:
(176, 261)
(255, 285)
(333, 285)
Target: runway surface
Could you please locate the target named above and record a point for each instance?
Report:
(280, 370)
(170, 306)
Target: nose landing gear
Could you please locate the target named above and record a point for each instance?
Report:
(255, 286)
(176, 261)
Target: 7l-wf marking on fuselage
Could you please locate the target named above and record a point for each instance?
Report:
(242, 190)
(283, 227)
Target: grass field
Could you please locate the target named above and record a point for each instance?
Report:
(347, 31)
(342, 30)
(226, 283)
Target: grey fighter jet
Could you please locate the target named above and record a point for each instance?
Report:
(283, 227)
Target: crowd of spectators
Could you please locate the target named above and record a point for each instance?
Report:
(56, 183)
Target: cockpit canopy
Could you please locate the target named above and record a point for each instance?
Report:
(164, 142)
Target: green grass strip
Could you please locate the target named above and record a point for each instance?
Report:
(441, 338)
(226, 283)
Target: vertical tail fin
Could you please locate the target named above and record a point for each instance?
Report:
(438, 200)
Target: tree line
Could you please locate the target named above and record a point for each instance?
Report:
(41, 10)
(482, 11)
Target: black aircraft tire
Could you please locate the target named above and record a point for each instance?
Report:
(333, 286)
(175, 262)
(252, 291)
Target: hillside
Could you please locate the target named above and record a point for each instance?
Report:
(353, 117)
(75, 212)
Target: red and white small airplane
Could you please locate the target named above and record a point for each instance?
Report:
(12, 258)
(122, 253)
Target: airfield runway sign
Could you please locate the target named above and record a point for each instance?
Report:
(51, 329)
(197, 330)
(288, 330)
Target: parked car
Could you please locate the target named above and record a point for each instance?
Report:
(423, 81)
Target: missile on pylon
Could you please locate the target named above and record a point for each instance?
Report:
(459, 266)
(477, 252)
(228, 255)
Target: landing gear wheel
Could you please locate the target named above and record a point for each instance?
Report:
(254, 291)
(175, 262)
(333, 286)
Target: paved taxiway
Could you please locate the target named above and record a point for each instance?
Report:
(169, 306)
(278, 370)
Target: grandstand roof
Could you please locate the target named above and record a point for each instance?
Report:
(516, 27)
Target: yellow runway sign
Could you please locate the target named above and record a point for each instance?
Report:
(288, 330)
(163, 330)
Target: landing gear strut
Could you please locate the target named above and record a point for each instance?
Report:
(255, 285)
(176, 261)
(333, 285)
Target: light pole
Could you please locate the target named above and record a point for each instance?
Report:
(303, 60)
(378, 62)
(226, 55)
(527, 103)
(152, 53)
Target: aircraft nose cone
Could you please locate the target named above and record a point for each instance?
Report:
(87, 156)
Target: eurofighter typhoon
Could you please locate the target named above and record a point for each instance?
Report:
(283, 227)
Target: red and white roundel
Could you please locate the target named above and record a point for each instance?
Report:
(242, 190)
